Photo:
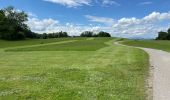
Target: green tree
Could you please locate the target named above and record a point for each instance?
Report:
(103, 34)
(16, 17)
(44, 35)
(12, 24)
(87, 34)
(2, 22)
(162, 36)
(65, 34)
(168, 37)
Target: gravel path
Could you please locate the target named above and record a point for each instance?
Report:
(160, 60)
(159, 82)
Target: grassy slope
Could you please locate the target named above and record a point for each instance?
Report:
(5, 44)
(111, 73)
(161, 45)
(81, 45)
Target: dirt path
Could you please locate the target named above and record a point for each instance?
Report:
(160, 60)
(160, 73)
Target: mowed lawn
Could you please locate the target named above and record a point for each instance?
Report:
(5, 44)
(85, 69)
(155, 44)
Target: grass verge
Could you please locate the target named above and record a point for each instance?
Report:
(155, 44)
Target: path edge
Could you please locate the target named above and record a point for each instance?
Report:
(149, 80)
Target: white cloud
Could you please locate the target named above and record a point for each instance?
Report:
(51, 25)
(76, 3)
(30, 14)
(152, 18)
(145, 3)
(157, 16)
(100, 19)
(131, 27)
(150, 24)
(109, 2)
(38, 25)
(71, 3)
(147, 26)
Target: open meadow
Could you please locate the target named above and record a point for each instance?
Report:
(72, 69)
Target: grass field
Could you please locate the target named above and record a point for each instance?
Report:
(81, 45)
(5, 44)
(161, 45)
(84, 69)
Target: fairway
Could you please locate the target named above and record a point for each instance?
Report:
(155, 44)
(72, 69)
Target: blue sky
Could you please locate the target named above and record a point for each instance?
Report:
(133, 18)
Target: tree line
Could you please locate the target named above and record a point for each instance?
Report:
(53, 35)
(92, 34)
(164, 35)
(13, 27)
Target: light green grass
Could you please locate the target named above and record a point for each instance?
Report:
(109, 73)
(5, 44)
(90, 44)
(155, 44)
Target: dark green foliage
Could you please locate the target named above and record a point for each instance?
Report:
(91, 34)
(53, 35)
(164, 35)
(168, 37)
(16, 36)
(87, 34)
(57, 35)
(169, 30)
(44, 36)
(32, 35)
(103, 34)
(12, 24)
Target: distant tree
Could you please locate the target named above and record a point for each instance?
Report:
(54, 35)
(169, 30)
(103, 34)
(168, 37)
(51, 35)
(57, 35)
(65, 34)
(91, 34)
(95, 35)
(44, 35)
(162, 36)
(87, 34)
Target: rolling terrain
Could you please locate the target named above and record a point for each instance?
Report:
(78, 69)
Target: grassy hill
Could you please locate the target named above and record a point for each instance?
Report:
(72, 68)
(159, 44)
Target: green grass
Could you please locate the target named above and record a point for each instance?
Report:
(110, 72)
(155, 44)
(91, 44)
(5, 44)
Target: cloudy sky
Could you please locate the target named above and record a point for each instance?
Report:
(122, 18)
